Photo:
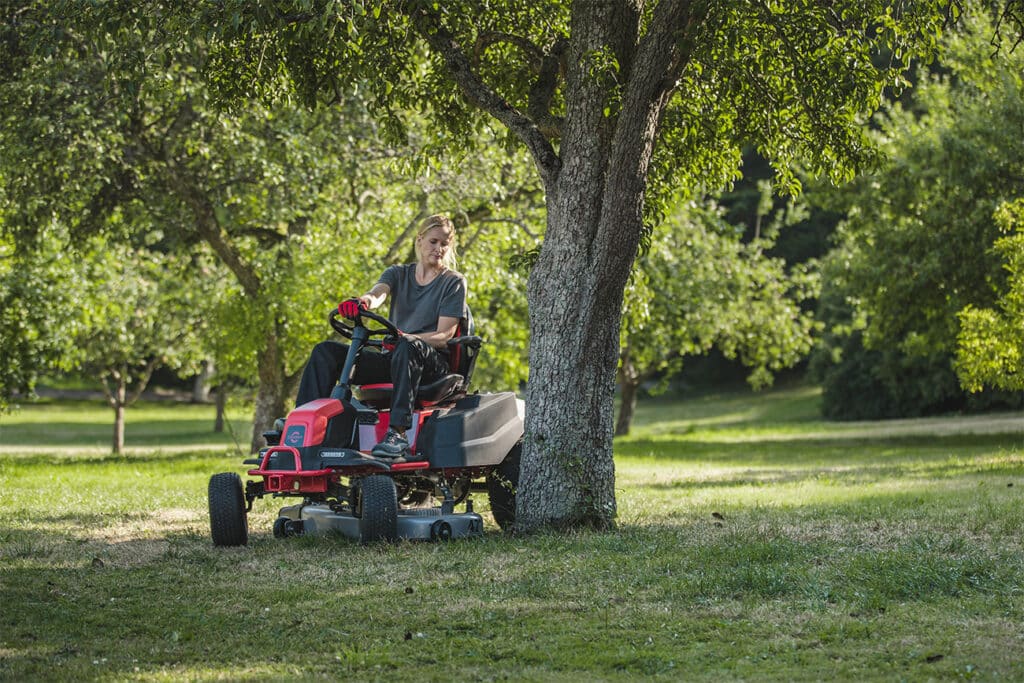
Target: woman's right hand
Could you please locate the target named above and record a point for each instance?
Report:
(349, 308)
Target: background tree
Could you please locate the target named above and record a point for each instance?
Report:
(990, 348)
(33, 306)
(916, 247)
(700, 286)
(134, 311)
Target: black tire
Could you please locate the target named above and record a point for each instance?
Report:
(378, 509)
(285, 527)
(281, 527)
(228, 523)
(501, 488)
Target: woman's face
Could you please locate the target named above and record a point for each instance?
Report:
(434, 245)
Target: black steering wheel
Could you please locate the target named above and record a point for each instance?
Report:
(344, 328)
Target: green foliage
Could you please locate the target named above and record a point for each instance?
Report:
(699, 286)
(990, 349)
(915, 250)
(34, 303)
(299, 207)
(878, 384)
(134, 310)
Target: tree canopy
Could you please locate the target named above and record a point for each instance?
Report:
(700, 286)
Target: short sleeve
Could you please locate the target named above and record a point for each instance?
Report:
(390, 277)
(453, 303)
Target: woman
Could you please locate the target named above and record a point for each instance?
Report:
(428, 298)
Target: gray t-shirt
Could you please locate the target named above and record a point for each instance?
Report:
(415, 308)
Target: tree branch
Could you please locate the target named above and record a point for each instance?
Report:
(548, 64)
(410, 228)
(552, 65)
(428, 24)
(488, 38)
(142, 382)
(209, 228)
(1012, 14)
(659, 59)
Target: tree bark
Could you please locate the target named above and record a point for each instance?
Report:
(274, 384)
(201, 384)
(575, 291)
(616, 88)
(270, 396)
(221, 399)
(627, 407)
(629, 385)
(118, 401)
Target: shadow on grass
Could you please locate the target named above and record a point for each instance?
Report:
(842, 475)
(175, 601)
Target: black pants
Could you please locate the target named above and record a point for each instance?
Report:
(413, 362)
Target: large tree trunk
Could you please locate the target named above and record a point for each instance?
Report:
(595, 220)
(568, 475)
(617, 85)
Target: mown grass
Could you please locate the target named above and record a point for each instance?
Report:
(754, 543)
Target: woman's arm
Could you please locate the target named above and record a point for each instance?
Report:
(375, 297)
(446, 328)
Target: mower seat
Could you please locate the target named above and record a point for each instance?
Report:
(462, 352)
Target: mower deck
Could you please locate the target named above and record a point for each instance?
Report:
(414, 524)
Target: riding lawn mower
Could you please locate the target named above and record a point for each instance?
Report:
(460, 443)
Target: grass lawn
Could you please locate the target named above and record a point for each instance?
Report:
(754, 542)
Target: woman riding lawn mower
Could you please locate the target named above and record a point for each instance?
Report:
(376, 436)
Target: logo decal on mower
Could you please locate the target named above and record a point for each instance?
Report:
(296, 435)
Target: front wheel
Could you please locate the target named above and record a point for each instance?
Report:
(378, 509)
(228, 523)
(501, 488)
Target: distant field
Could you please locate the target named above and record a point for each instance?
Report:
(87, 426)
(755, 542)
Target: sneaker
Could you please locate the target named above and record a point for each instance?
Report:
(392, 446)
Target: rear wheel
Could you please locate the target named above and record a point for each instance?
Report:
(501, 488)
(228, 523)
(378, 509)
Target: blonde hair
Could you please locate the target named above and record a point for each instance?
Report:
(438, 220)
